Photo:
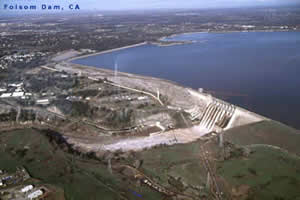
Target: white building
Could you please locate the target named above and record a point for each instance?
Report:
(157, 124)
(35, 194)
(15, 84)
(18, 89)
(142, 98)
(18, 94)
(27, 188)
(248, 26)
(5, 95)
(42, 101)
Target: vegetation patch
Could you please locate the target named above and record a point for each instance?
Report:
(269, 173)
(78, 175)
(266, 132)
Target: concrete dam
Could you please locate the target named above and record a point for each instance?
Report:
(217, 115)
(208, 113)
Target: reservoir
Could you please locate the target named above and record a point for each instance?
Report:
(259, 71)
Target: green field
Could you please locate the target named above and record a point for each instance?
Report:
(267, 173)
(266, 132)
(177, 167)
(270, 173)
(79, 177)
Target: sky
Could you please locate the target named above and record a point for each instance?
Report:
(152, 4)
(148, 4)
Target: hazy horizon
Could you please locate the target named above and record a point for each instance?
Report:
(123, 5)
(180, 4)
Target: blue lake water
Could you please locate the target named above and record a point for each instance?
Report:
(259, 71)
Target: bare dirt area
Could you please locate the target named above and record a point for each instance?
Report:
(172, 137)
(65, 55)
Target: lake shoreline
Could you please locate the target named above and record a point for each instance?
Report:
(107, 51)
(202, 32)
(186, 64)
(166, 45)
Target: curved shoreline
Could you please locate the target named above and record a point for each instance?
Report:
(107, 51)
(172, 35)
(245, 31)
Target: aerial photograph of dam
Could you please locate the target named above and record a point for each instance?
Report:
(248, 75)
(152, 100)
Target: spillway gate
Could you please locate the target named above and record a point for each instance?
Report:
(217, 114)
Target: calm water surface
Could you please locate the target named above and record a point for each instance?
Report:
(259, 70)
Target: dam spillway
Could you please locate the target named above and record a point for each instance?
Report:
(217, 115)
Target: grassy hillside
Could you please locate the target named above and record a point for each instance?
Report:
(268, 173)
(266, 132)
(180, 161)
(80, 177)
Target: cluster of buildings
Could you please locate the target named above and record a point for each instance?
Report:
(17, 90)
(130, 98)
(19, 57)
(87, 51)
(7, 179)
(31, 192)
(12, 186)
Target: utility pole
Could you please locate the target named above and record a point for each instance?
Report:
(18, 114)
(208, 181)
(221, 140)
(175, 139)
(36, 118)
(109, 166)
